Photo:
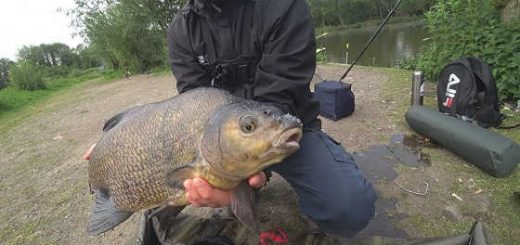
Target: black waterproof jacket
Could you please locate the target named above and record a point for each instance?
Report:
(277, 35)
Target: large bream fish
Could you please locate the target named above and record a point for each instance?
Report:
(146, 152)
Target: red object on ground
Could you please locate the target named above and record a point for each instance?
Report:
(277, 236)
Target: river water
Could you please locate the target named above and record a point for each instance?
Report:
(392, 44)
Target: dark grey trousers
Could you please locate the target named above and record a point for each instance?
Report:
(330, 186)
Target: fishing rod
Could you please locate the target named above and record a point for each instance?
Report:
(371, 39)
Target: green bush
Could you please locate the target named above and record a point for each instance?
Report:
(56, 71)
(460, 28)
(109, 75)
(90, 73)
(407, 63)
(321, 55)
(27, 76)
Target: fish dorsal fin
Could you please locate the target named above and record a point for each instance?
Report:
(113, 121)
(243, 205)
(105, 215)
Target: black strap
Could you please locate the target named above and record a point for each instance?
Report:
(244, 66)
(247, 33)
(478, 66)
(247, 15)
(208, 40)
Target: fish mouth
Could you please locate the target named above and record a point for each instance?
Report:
(286, 144)
(289, 139)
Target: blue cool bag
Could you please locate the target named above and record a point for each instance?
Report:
(336, 99)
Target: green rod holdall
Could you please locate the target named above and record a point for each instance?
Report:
(493, 153)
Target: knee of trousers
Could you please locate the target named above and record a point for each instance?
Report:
(344, 217)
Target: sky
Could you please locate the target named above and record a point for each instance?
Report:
(33, 22)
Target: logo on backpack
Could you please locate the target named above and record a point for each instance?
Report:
(450, 93)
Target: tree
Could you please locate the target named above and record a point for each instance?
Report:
(5, 64)
(32, 54)
(343, 12)
(55, 59)
(161, 12)
(48, 55)
(416, 7)
(87, 57)
(126, 33)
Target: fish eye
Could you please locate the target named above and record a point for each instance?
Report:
(248, 124)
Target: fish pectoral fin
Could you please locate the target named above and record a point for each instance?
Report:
(165, 211)
(176, 177)
(243, 205)
(105, 215)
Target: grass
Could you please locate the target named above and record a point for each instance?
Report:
(502, 217)
(26, 233)
(15, 104)
(161, 71)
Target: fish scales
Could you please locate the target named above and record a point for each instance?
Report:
(128, 149)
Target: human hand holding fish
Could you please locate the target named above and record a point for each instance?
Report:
(201, 194)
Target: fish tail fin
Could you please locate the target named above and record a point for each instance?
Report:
(105, 215)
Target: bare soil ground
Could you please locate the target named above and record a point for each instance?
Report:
(44, 189)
